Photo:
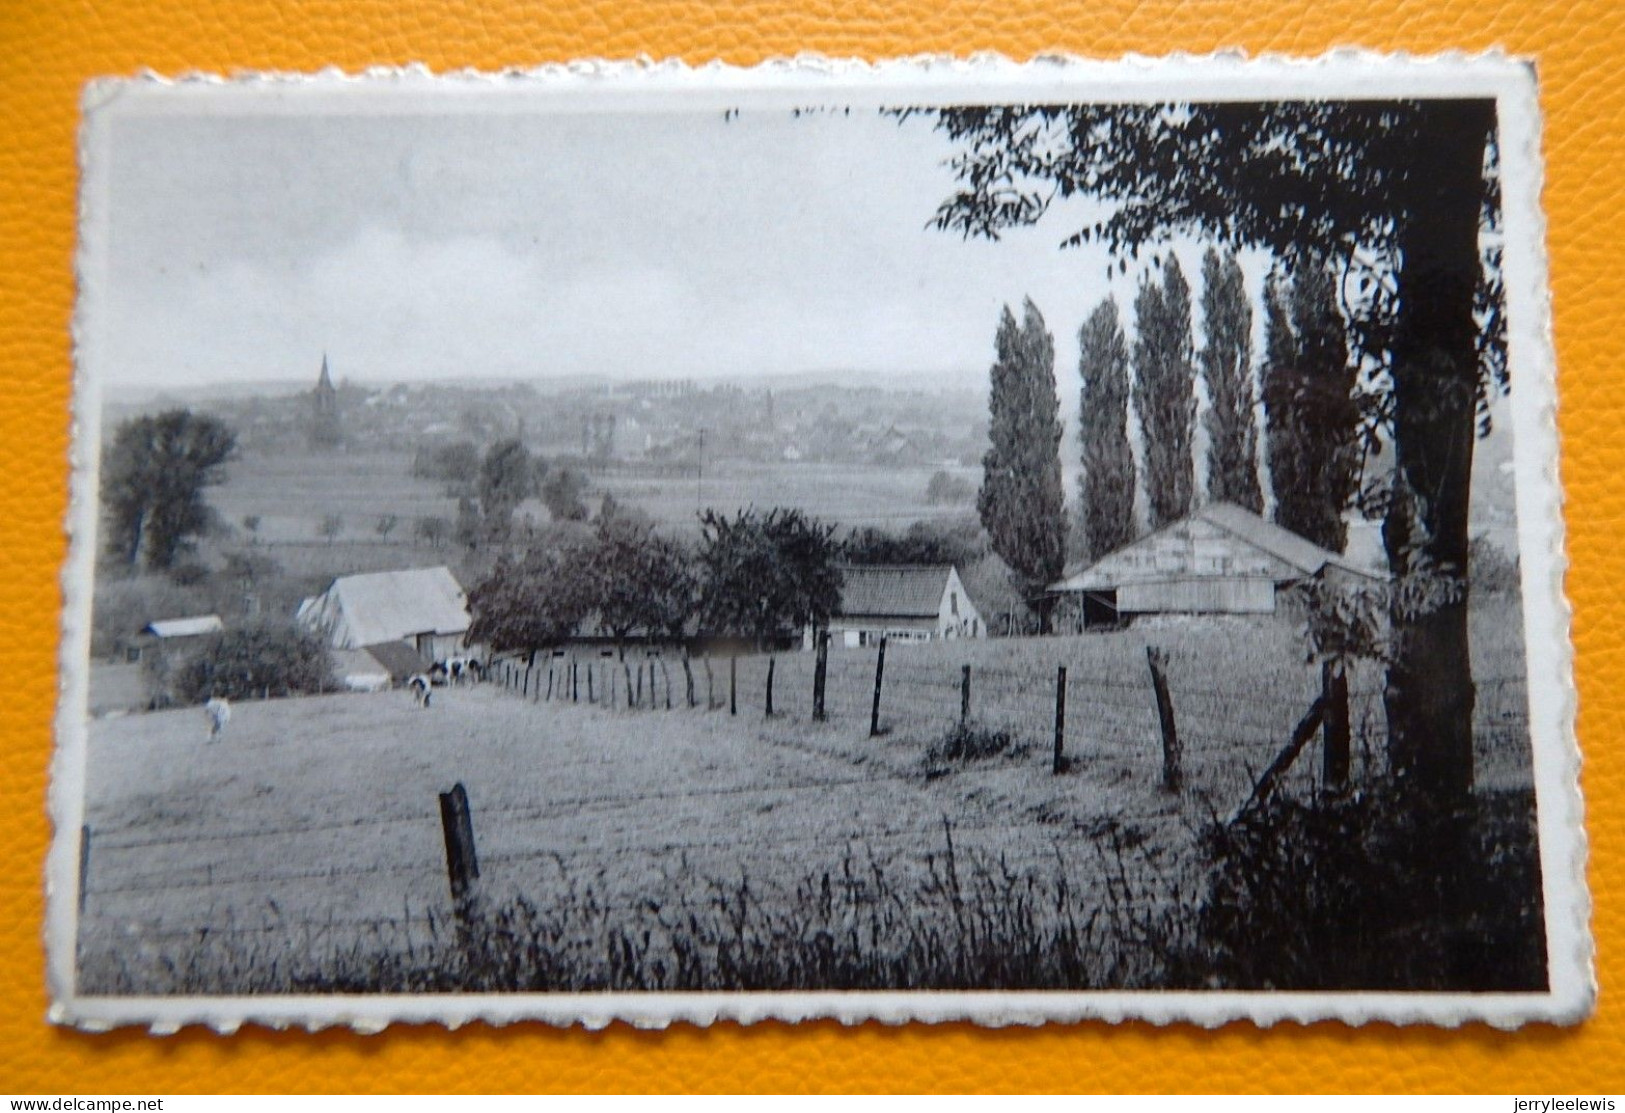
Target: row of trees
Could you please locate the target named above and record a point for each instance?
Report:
(1396, 192)
(1308, 395)
(759, 576)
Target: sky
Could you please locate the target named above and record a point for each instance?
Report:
(541, 245)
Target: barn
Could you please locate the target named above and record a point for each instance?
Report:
(902, 603)
(424, 608)
(1221, 559)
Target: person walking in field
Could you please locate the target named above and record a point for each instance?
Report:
(218, 711)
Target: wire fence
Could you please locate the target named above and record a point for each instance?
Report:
(883, 709)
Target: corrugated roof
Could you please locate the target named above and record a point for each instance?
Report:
(893, 590)
(1297, 552)
(389, 606)
(1283, 544)
(185, 627)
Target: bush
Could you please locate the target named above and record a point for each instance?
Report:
(250, 662)
(1373, 892)
(972, 742)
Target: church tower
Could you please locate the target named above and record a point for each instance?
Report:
(324, 411)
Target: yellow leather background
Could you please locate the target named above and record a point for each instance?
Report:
(48, 49)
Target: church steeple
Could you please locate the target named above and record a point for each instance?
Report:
(324, 408)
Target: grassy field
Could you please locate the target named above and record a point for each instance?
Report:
(292, 493)
(653, 848)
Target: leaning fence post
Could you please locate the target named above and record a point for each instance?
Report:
(462, 863)
(964, 694)
(84, 865)
(880, 674)
(733, 684)
(771, 662)
(1059, 762)
(1172, 776)
(1334, 725)
(688, 678)
(820, 673)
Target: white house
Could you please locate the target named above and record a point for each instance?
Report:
(422, 607)
(1220, 559)
(903, 603)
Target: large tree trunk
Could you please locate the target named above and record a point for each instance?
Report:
(1429, 694)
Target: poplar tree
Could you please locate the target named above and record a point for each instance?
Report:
(1165, 391)
(1227, 356)
(1107, 487)
(1310, 411)
(1022, 502)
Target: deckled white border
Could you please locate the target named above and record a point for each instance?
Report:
(647, 86)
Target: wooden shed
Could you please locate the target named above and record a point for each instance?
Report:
(1221, 559)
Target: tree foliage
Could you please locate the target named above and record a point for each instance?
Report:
(153, 481)
(1165, 391)
(1227, 358)
(1313, 420)
(276, 658)
(536, 598)
(957, 543)
(507, 478)
(1022, 503)
(646, 583)
(765, 575)
(1106, 495)
(562, 491)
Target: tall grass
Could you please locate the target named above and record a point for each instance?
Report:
(966, 921)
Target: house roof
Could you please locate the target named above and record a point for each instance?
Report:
(389, 606)
(893, 590)
(397, 658)
(1298, 553)
(185, 627)
(348, 663)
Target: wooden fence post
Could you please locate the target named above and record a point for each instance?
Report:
(710, 686)
(1059, 762)
(591, 697)
(575, 682)
(1334, 725)
(880, 674)
(771, 662)
(733, 684)
(84, 865)
(688, 678)
(964, 695)
(462, 863)
(820, 674)
(550, 680)
(1173, 776)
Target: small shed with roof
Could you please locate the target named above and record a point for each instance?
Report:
(169, 634)
(902, 603)
(1221, 559)
(424, 608)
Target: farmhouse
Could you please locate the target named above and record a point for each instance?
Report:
(1221, 559)
(902, 603)
(424, 608)
(171, 634)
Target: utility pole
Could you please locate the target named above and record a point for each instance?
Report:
(699, 475)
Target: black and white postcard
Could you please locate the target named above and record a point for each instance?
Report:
(930, 540)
